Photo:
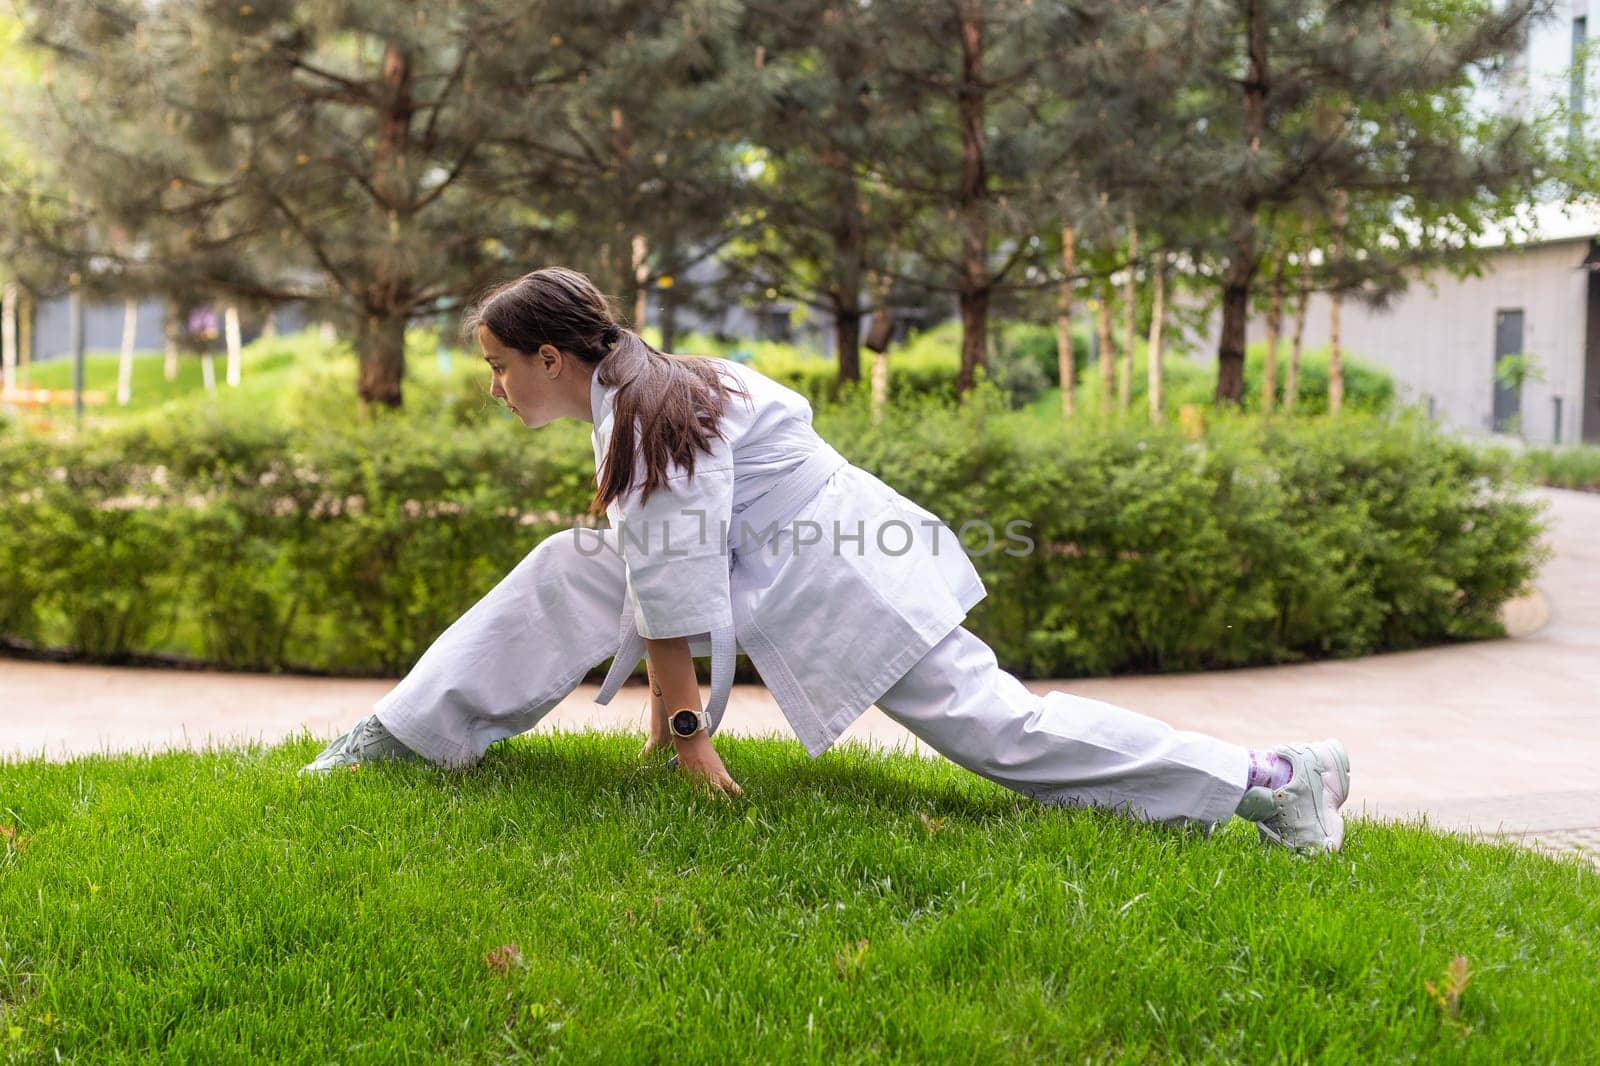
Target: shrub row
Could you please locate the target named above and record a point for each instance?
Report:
(1024, 365)
(349, 548)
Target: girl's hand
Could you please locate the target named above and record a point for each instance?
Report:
(698, 759)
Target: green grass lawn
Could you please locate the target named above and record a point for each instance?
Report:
(150, 387)
(559, 902)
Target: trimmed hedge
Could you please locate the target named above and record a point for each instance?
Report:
(1262, 543)
(349, 549)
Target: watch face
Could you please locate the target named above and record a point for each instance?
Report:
(684, 723)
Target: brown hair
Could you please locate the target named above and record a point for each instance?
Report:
(676, 401)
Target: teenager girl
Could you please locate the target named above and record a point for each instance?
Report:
(733, 526)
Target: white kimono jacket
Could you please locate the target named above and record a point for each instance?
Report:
(830, 581)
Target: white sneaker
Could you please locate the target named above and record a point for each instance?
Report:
(368, 741)
(1304, 814)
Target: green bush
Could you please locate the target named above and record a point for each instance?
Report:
(912, 373)
(1574, 467)
(1368, 389)
(1259, 544)
(263, 546)
(349, 546)
(1023, 363)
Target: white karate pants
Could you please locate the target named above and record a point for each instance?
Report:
(526, 645)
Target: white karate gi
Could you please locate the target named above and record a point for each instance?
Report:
(854, 596)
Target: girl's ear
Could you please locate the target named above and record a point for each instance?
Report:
(550, 358)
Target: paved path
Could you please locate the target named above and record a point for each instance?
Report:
(1498, 736)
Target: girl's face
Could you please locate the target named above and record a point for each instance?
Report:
(539, 388)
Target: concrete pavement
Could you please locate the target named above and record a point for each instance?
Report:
(1496, 737)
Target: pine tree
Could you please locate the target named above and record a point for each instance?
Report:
(822, 219)
(1364, 95)
(969, 155)
(357, 153)
(641, 169)
(1028, 116)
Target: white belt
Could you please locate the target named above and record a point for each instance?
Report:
(777, 506)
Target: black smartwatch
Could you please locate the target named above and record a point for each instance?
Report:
(687, 722)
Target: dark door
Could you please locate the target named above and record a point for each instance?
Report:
(1507, 398)
(1590, 396)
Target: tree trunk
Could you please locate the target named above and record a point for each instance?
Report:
(380, 341)
(130, 333)
(881, 332)
(1158, 322)
(8, 339)
(269, 325)
(230, 330)
(1242, 261)
(1269, 373)
(1235, 310)
(1108, 349)
(169, 335)
(27, 309)
(208, 372)
(1130, 293)
(639, 278)
(878, 338)
(1291, 384)
(1341, 202)
(668, 308)
(849, 234)
(381, 349)
(628, 253)
(1066, 364)
(974, 323)
(974, 192)
(76, 341)
(844, 288)
(847, 341)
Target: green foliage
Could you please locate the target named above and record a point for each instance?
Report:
(557, 903)
(1513, 371)
(285, 532)
(267, 531)
(1258, 544)
(1576, 467)
(1367, 388)
(1024, 364)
